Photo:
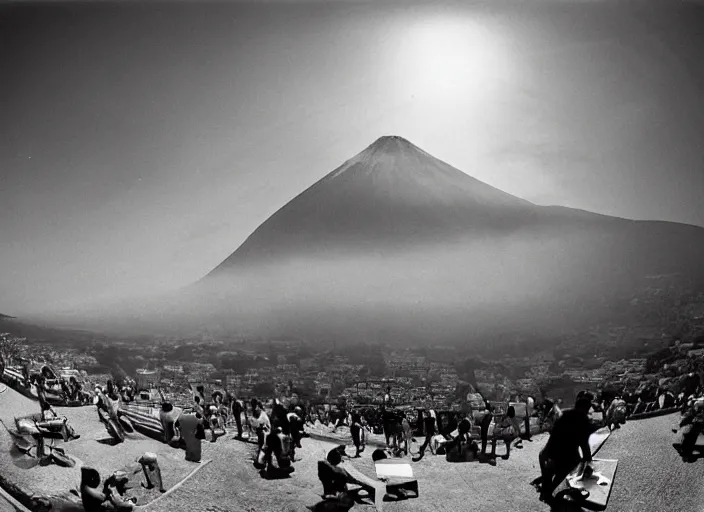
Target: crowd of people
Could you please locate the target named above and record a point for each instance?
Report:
(278, 426)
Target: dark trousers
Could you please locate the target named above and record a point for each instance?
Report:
(426, 443)
(486, 421)
(553, 471)
(356, 437)
(526, 422)
(689, 440)
(238, 422)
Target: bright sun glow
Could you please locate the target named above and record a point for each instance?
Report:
(441, 56)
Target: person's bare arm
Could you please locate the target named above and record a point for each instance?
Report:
(95, 494)
(586, 450)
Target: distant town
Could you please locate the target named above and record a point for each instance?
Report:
(632, 358)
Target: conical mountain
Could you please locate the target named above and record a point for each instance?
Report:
(396, 244)
(391, 194)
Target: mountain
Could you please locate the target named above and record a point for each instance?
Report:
(397, 246)
(392, 193)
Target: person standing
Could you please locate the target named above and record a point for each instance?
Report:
(260, 422)
(192, 433)
(530, 408)
(237, 409)
(356, 431)
(429, 428)
(485, 423)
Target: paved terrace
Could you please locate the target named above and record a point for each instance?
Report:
(651, 477)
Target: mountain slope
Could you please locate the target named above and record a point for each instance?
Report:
(392, 194)
(396, 244)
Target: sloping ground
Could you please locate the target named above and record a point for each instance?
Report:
(28, 478)
(231, 484)
(651, 475)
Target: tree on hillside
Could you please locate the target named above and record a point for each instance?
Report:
(10, 347)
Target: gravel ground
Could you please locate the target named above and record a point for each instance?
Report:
(54, 480)
(651, 475)
(6, 506)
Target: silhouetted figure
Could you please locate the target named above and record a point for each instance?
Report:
(429, 430)
(237, 410)
(561, 453)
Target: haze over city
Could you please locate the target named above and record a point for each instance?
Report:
(145, 142)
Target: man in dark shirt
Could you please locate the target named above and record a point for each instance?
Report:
(561, 455)
(429, 427)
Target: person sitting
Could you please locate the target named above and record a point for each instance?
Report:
(694, 419)
(198, 405)
(168, 416)
(50, 419)
(561, 453)
(506, 429)
(115, 488)
(615, 415)
(464, 429)
(95, 500)
(334, 480)
(277, 460)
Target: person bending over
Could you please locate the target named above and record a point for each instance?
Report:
(506, 429)
(561, 453)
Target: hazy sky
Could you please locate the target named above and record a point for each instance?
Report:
(143, 142)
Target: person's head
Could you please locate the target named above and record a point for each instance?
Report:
(46, 406)
(334, 457)
(167, 407)
(197, 399)
(378, 454)
(257, 406)
(90, 477)
(511, 412)
(583, 405)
